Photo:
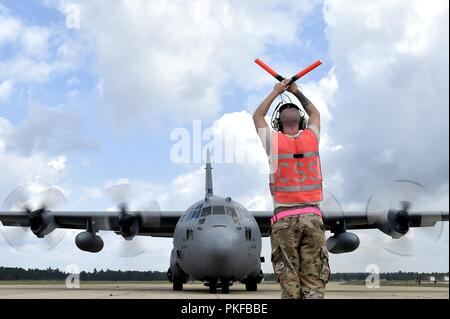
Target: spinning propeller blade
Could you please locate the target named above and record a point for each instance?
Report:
(391, 209)
(35, 201)
(133, 205)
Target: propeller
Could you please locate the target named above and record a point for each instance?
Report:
(36, 201)
(331, 208)
(132, 203)
(391, 209)
(341, 241)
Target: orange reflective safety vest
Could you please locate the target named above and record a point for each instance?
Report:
(296, 175)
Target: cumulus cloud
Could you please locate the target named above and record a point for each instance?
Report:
(38, 168)
(390, 111)
(176, 59)
(391, 108)
(9, 26)
(38, 52)
(49, 130)
(6, 89)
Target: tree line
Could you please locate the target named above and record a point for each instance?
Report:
(11, 273)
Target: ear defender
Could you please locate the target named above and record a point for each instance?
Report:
(277, 125)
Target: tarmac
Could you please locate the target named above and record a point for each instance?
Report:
(124, 290)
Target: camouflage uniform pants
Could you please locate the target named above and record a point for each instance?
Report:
(300, 257)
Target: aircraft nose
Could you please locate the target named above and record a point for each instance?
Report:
(220, 245)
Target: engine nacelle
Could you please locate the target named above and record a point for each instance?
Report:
(42, 223)
(89, 242)
(129, 226)
(396, 223)
(344, 242)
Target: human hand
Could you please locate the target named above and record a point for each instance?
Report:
(280, 87)
(292, 88)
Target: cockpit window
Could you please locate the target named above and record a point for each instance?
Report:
(219, 210)
(206, 211)
(232, 212)
(242, 211)
(195, 212)
(189, 215)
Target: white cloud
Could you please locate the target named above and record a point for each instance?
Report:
(9, 26)
(391, 107)
(6, 89)
(174, 60)
(17, 169)
(35, 41)
(49, 130)
(58, 163)
(37, 52)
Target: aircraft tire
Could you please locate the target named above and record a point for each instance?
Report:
(225, 286)
(177, 283)
(251, 284)
(213, 286)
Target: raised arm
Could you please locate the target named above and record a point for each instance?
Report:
(311, 110)
(263, 108)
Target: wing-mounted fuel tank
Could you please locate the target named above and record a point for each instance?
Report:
(88, 240)
(342, 242)
(333, 215)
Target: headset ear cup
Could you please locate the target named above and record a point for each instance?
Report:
(275, 125)
(302, 125)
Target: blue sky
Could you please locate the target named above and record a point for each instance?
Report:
(102, 99)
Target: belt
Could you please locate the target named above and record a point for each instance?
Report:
(298, 211)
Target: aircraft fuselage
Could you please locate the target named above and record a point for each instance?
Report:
(217, 239)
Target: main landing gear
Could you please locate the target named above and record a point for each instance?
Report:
(177, 281)
(251, 283)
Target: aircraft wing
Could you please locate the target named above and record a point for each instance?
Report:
(152, 223)
(360, 220)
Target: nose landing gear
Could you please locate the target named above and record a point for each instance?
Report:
(224, 285)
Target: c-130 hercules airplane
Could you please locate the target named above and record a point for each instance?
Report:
(216, 240)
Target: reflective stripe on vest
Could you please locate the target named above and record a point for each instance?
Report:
(295, 155)
(297, 176)
(295, 188)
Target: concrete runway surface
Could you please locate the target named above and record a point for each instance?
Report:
(147, 290)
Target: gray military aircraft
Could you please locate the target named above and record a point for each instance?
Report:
(216, 240)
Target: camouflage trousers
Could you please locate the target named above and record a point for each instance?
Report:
(300, 257)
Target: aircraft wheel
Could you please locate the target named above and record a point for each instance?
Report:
(177, 283)
(225, 286)
(213, 286)
(251, 284)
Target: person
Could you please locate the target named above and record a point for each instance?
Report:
(299, 255)
(418, 279)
